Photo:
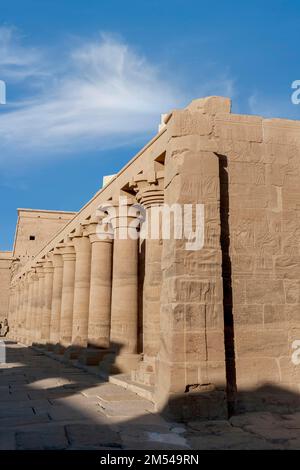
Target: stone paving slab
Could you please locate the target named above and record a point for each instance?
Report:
(21, 404)
(46, 404)
(7, 440)
(22, 420)
(16, 412)
(128, 408)
(50, 439)
(93, 435)
(76, 400)
(62, 413)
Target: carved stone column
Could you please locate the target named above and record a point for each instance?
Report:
(33, 306)
(66, 320)
(28, 336)
(40, 302)
(149, 188)
(17, 316)
(56, 297)
(81, 292)
(100, 292)
(11, 308)
(124, 302)
(24, 309)
(48, 291)
(19, 313)
(14, 311)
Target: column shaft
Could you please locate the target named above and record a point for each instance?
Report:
(18, 311)
(56, 297)
(81, 290)
(24, 309)
(124, 302)
(40, 303)
(11, 306)
(29, 307)
(13, 311)
(34, 308)
(149, 187)
(48, 289)
(100, 292)
(66, 323)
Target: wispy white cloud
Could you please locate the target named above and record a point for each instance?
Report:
(273, 106)
(17, 62)
(96, 95)
(103, 94)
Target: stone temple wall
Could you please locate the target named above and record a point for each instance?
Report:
(244, 285)
(34, 229)
(263, 165)
(202, 332)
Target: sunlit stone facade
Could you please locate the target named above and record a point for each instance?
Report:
(197, 331)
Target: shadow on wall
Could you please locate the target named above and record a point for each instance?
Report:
(231, 387)
(267, 398)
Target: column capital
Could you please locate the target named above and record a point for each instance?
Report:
(80, 240)
(98, 229)
(31, 275)
(48, 266)
(40, 270)
(66, 248)
(149, 188)
(68, 251)
(81, 244)
(122, 215)
(55, 256)
(78, 233)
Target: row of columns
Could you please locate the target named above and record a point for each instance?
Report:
(84, 293)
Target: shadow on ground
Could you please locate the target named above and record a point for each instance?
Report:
(46, 404)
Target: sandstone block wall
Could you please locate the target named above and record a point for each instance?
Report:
(191, 358)
(35, 228)
(263, 164)
(244, 284)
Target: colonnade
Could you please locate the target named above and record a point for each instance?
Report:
(82, 298)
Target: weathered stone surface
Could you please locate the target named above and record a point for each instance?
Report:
(248, 315)
(91, 435)
(186, 122)
(236, 439)
(238, 127)
(211, 105)
(50, 439)
(281, 131)
(255, 371)
(78, 421)
(264, 343)
(151, 439)
(271, 292)
(7, 440)
(128, 408)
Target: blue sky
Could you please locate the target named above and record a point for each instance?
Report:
(88, 80)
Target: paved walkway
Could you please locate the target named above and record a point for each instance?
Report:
(45, 404)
